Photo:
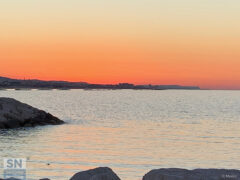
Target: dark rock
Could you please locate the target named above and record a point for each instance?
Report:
(101, 173)
(12, 123)
(14, 114)
(197, 174)
(44, 179)
(2, 126)
(28, 125)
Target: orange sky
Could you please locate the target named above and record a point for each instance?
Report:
(158, 42)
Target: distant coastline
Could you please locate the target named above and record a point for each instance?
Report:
(19, 84)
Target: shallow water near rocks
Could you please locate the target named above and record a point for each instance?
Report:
(130, 131)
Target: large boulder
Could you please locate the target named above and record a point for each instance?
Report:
(14, 114)
(197, 174)
(101, 173)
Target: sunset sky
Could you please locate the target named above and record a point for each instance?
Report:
(186, 42)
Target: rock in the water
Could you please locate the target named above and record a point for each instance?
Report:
(101, 173)
(197, 174)
(14, 114)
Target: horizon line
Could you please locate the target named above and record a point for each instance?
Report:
(122, 82)
(52, 80)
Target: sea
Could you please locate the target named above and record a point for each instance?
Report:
(130, 131)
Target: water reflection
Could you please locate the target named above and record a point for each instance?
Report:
(129, 131)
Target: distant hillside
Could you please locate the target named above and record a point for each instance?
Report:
(34, 83)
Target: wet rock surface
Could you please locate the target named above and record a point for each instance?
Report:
(197, 174)
(101, 173)
(14, 114)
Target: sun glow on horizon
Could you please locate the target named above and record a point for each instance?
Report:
(139, 41)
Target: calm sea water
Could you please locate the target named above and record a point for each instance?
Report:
(130, 131)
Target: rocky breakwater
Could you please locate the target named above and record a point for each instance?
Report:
(106, 173)
(100, 173)
(196, 174)
(14, 114)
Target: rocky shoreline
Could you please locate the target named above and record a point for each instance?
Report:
(106, 173)
(14, 114)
